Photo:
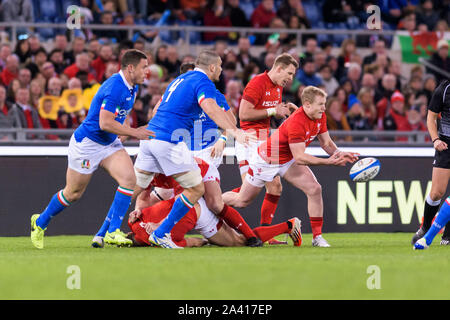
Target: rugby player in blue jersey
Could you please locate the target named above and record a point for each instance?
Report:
(95, 143)
(184, 100)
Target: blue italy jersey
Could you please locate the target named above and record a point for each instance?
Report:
(205, 131)
(114, 95)
(180, 106)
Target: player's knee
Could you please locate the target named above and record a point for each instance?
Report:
(436, 195)
(315, 190)
(275, 188)
(73, 195)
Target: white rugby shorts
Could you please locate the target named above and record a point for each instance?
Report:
(261, 172)
(86, 155)
(207, 222)
(164, 157)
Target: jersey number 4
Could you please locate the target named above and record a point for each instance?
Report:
(173, 87)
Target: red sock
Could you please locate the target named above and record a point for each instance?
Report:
(236, 189)
(316, 225)
(268, 208)
(268, 232)
(235, 220)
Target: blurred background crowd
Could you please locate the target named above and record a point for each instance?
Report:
(48, 78)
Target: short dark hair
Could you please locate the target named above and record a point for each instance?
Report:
(187, 66)
(132, 56)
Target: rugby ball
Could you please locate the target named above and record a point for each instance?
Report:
(365, 169)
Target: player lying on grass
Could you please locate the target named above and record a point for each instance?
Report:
(167, 187)
(201, 219)
(441, 220)
(283, 154)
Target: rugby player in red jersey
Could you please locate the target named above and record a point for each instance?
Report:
(201, 219)
(166, 188)
(283, 154)
(262, 100)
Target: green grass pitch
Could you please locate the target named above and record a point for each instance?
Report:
(271, 272)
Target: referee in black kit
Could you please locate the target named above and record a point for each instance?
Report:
(440, 103)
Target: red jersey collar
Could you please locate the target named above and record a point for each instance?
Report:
(265, 73)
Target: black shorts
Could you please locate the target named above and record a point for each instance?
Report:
(442, 158)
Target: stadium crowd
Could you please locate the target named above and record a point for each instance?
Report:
(42, 88)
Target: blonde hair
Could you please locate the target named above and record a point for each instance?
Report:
(310, 92)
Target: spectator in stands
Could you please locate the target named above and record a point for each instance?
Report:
(292, 8)
(24, 77)
(56, 57)
(415, 119)
(336, 11)
(112, 35)
(440, 60)
(428, 15)
(23, 50)
(320, 59)
(60, 43)
(11, 91)
(342, 96)
(233, 95)
(336, 119)
(81, 64)
(7, 115)
(328, 80)
(356, 116)
(396, 119)
(284, 38)
(11, 70)
(442, 25)
(353, 77)
(36, 92)
(34, 43)
(54, 86)
(172, 63)
(250, 70)
(215, 15)
(5, 51)
(161, 54)
(365, 97)
(48, 71)
(128, 20)
(391, 11)
(111, 68)
(307, 74)
(429, 85)
(236, 14)
(378, 48)
(295, 23)
(310, 50)
(99, 64)
(408, 22)
(348, 47)
(17, 11)
(368, 81)
(27, 115)
(78, 45)
(269, 60)
(229, 71)
(37, 61)
(263, 14)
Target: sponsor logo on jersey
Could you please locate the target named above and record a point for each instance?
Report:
(270, 103)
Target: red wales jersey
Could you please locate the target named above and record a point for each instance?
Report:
(158, 212)
(297, 128)
(263, 94)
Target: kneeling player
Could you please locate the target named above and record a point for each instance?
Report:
(283, 154)
(200, 218)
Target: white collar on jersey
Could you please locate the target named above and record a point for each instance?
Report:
(200, 70)
(125, 80)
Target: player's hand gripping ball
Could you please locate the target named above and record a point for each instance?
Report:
(365, 169)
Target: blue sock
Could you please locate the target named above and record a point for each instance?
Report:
(105, 225)
(57, 204)
(119, 207)
(180, 208)
(441, 220)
